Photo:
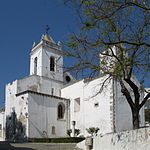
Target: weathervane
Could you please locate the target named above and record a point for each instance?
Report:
(47, 29)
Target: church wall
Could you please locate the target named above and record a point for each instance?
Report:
(57, 74)
(123, 110)
(47, 86)
(2, 126)
(98, 105)
(73, 92)
(95, 110)
(39, 84)
(43, 116)
(21, 109)
(10, 95)
(35, 54)
(16, 111)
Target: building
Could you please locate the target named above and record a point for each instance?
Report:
(147, 109)
(45, 103)
(2, 124)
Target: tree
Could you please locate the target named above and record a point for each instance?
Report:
(123, 25)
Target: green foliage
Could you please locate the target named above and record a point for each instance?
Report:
(72, 44)
(69, 131)
(92, 130)
(87, 3)
(57, 140)
(88, 25)
(72, 36)
(77, 132)
(103, 62)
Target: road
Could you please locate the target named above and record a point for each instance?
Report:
(36, 146)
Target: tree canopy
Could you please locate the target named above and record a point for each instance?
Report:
(123, 25)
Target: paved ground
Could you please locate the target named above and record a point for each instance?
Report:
(36, 146)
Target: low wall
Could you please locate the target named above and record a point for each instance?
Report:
(129, 140)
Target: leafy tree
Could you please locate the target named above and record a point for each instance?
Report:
(123, 25)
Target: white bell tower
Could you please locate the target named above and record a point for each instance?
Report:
(46, 59)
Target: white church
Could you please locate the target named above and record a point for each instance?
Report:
(48, 102)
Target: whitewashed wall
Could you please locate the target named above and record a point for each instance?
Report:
(113, 112)
(57, 74)
(43, 115)
(39, 84)
(36, 52)
(43, 52)
(2, 124)
(89, 114)
(18, 105)
(129, 140)
(10, 95)
(123, 114)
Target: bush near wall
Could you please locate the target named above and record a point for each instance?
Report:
(57, 140)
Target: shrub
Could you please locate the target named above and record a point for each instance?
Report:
(57, 140)
(92, 130)
(69, 131)
(77, 132)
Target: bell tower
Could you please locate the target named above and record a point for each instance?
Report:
(46, 59)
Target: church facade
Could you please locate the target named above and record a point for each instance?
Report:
(47, 102)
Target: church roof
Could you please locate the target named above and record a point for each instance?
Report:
(43, 94)
(47, 37)
(85, 80)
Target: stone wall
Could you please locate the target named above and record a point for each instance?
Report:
(128, 140)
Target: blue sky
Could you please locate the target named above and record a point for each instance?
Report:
(21, 23)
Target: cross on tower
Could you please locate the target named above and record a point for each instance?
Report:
(47, 29)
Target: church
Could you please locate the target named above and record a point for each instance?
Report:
(49, 102)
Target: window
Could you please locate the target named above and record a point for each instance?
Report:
(61, 111)
(35, 65)
(53, 130)
(96, 104)
(52, 91)
(77, 105)
(68, 79)
(52, 63)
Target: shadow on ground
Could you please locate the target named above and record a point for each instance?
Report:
(8, 146)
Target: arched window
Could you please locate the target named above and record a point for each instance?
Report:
(35, 65)
(61, 111)
(52, 63)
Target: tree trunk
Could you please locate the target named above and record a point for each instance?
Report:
(135, 119)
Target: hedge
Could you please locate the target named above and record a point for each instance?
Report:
(57, 140)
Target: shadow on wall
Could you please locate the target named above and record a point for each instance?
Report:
(8, 146)
(15, 130)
